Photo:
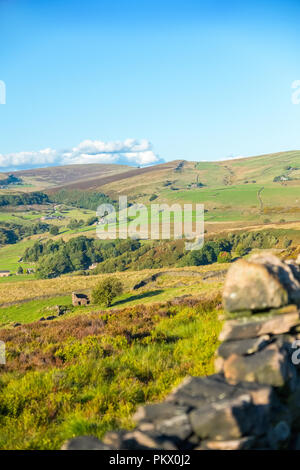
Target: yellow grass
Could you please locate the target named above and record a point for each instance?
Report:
(17, 291)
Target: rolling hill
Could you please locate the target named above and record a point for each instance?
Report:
(245, 191)
(260, 169)
(237, 192)
(42, 178)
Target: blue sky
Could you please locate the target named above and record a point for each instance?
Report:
(140, 81)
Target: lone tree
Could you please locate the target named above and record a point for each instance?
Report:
(20, 270)
(54, 230)
(106, 290)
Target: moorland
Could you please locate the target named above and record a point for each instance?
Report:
(85, 372)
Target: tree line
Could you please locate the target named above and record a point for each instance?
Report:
(22, 199)
(83, 199)
(11, 232)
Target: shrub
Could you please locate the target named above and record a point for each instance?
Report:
(74, 224)
(208, 254)
(152, 197)
(91, 220)
(54, 230)
(224, 257)
(241, 250)
(106, 291)
(287, 242)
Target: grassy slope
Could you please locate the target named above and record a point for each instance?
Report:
(83, 376)
(26, 312)
(226, 195)
(42, 178)
(10, 254)
(76, 375)
(18, 291)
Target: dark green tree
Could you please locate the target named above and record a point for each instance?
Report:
(54, 230)
(106, 290)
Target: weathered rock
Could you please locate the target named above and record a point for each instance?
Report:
(60, 309)
(279, 434)
(137, 440)
(293, 404)
(261, 394)
(178, 427)
(294, 267)
(113, 439)
(261, 283)
(250, 286)
(198, 391)
(243, 328)
(224, 420)
(237, 444)
(168, 419)
(158, 412)
(84, 443)
(219, 364)
(269, 366)
(145, 427)
(243, 347)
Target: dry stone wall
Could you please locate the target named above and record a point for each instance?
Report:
(253, 399)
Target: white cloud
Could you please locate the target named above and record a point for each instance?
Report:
(42, 157)
(129, 152)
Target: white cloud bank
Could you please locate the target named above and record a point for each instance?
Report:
(129, 152)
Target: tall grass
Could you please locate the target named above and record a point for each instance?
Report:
(88, 375)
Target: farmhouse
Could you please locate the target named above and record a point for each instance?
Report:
(93, 266)
(4, 273)
(79, 299)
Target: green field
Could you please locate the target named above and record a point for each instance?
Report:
(75, 378)
(241, 196)
(33, 310)
(10, 254)
(85, 372)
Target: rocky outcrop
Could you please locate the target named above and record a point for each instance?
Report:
(261, 283)
(58, 309)
(253, 401)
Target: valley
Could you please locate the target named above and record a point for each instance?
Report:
(67, 373)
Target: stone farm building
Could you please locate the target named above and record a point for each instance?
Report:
(4, 273)
(79, 299)
(93, 266)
